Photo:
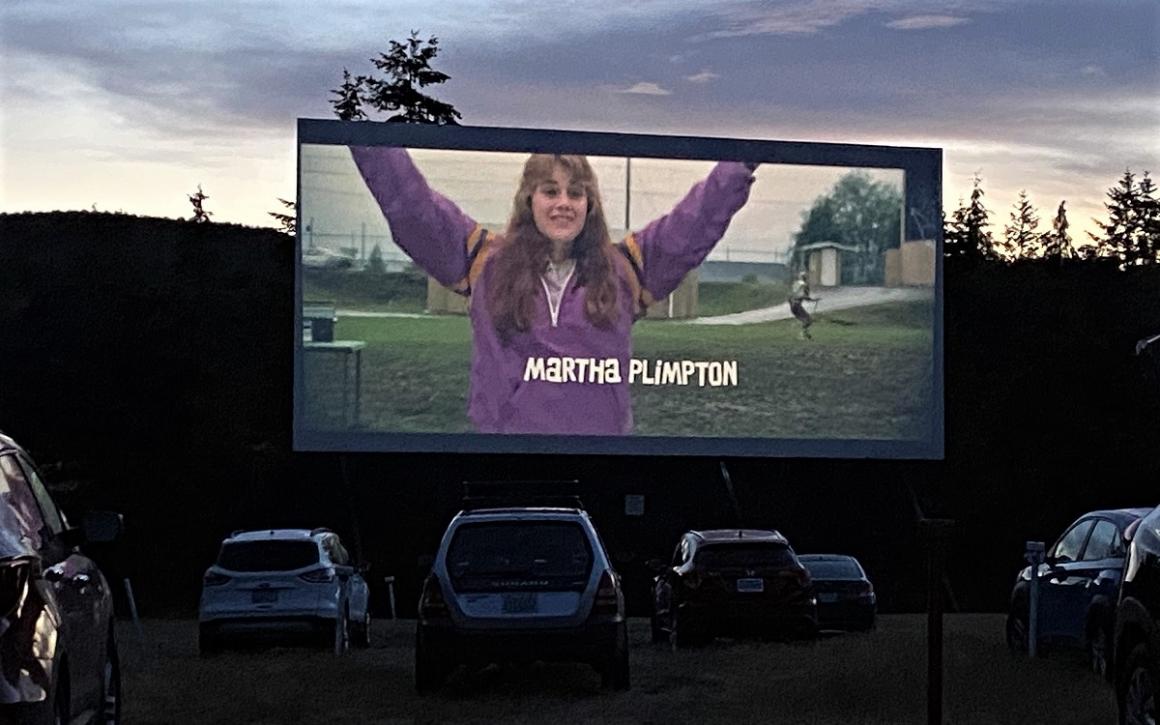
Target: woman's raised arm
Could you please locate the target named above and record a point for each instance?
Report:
(428, 226)
(679, 241)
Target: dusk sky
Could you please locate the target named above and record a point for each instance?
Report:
(129, 105)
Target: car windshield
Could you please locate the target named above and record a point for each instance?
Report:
(724, 556)
(545, 548)
(268, 555)
(833, 569)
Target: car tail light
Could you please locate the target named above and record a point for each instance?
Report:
(606, 595)
(213, 579)
(318, 576)
(431, 601)
(13, 584)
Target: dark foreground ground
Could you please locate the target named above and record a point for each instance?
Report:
(879, 677)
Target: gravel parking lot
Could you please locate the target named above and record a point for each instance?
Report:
(876, 677)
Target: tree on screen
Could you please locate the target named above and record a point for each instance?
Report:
(1131, 233)
(408, 68)
(200, 215)
(348, 103)
(858, 213)
(1056, 244)
(1020, 236)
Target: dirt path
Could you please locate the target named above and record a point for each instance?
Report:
(835, 298)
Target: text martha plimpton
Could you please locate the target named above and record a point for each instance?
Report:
(656, 372)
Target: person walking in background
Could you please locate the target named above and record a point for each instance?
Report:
(552, 285)
(799, 293)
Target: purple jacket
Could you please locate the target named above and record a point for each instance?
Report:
(508, 394)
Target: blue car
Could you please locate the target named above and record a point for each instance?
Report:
(1079, 585)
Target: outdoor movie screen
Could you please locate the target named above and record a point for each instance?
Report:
(468, 289)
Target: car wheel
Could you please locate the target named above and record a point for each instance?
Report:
(361, 632)
(341, 634)
(111, 685)
(429, 671)
(614, 673)
(1099, 645)
(208, 641)
(1017, 632)
(1137, 694)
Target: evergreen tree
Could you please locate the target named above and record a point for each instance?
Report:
(976, 239)
(1056, 244)
(955, 234)
(348, 103)
(408, 67)
(1131, 211)
(200, 215)
(286, 222)
(1148, 213)
(1020, 239)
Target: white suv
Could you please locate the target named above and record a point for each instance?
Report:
(284, 581)
(521, 584)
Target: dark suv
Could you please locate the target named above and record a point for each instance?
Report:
(1137, 652)
(521, 584)
(732, 581)
(1078, 586)
(58, 655)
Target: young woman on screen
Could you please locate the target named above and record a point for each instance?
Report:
(552, 299)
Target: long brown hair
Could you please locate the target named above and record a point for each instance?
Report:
(518, 264)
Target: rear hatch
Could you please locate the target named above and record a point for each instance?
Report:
(838, 581)
(765, 572)
(270, 575)
(519, 569)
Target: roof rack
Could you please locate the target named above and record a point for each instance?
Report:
(504, 494)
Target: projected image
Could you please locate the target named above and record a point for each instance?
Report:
(491, 294)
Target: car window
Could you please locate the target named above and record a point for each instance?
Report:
(267, 555)
(48, 509)
(723, 556)
(16, 497)
(545, 548)
(1102, 543)
(833, 569)
(1069, 546)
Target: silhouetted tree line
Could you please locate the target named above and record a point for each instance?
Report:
(1130, 235)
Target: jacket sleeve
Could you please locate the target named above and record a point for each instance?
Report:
(429, 227)
(680, 240)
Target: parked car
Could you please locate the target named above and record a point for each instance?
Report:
(57, 641)
(521, 584)
(846, 598)
(731, 581)
(1137, 650)
(1079, 584)
(284, 582)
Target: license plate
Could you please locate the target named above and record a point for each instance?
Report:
(750, 585)
(522, 603)
(264, 596)
(827, 597)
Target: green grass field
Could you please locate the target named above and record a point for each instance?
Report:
(866, 375)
